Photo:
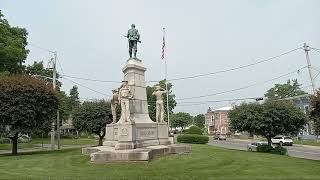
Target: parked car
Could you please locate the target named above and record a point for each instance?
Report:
(253, 146)
(282, 140)
(220, 137)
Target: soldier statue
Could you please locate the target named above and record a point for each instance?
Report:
(133, 38)
(124, 97)
(159, 103)
(114, 104)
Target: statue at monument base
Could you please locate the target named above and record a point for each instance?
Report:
(135, 136)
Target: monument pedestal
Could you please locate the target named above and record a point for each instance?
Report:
(140, 138)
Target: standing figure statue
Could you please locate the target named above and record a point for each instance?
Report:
(124, 97)
(159, 103)
(114, 104)
(133, 38)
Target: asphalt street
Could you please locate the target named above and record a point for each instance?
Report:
(300, 151)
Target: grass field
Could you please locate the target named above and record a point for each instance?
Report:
(205, 162)
(36, 143)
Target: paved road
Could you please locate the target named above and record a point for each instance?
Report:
(301, 151)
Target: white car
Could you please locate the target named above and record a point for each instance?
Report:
(282, 140)
(253, 146)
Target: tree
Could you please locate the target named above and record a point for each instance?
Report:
(280, 91)
(269, 119)
(315, 112)
(93, 117)
(13, 52)
(27, 104)
(37, 69)
(74, 97)
(180, 120)
(152, 100)
(199, 120)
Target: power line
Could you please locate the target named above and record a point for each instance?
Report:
(226, 100)
(195, 76)
(41, 48)
(244, 87)
(236, 68)
(87, 87)
(88, 79)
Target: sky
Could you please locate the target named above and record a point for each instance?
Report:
(201, 37)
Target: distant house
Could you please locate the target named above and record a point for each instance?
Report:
(217, 121)
(67, 129)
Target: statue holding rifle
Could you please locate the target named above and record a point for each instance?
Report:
(133, 38)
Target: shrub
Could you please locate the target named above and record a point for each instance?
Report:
(280, 150)
(264, 148)
(274, 150)
(192, 138)
(194, 130)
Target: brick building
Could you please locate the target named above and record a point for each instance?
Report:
(217, 121)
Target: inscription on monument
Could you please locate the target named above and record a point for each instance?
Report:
(146, 132)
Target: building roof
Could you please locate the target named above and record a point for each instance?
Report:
(224, 109)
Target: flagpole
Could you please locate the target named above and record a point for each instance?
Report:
(166, 77)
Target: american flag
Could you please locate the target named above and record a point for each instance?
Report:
(163, 45)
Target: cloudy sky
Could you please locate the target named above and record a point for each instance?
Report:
(202, 37)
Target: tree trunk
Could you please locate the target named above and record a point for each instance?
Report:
(269, 140)
(100, 140)
(14, 140)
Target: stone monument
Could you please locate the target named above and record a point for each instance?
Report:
(114, 104)
(135, 136)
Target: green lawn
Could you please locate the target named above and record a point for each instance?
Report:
(66, 141)
(205, 162)
(20, 146)
(36, 143)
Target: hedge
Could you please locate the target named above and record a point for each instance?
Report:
(193, 139)
(194, 130)
(274, 150)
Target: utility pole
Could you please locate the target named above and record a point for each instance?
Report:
(54, 77)
(54, 87)
(307, 49)
(54, 83)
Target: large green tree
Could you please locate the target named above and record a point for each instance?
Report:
(289, 89)
(199, 120)
(13, 52)
(152, 100)
(315, 112)
(92, 117)
(27, 105)
(269, 119)
(180, 120)
(74, 97)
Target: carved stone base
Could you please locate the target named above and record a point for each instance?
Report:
(107, 153)
(131, 136)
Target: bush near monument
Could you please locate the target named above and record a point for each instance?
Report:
(192, 138)
(274, 150)
(27, 104)
(93, 117)
(193, 130)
